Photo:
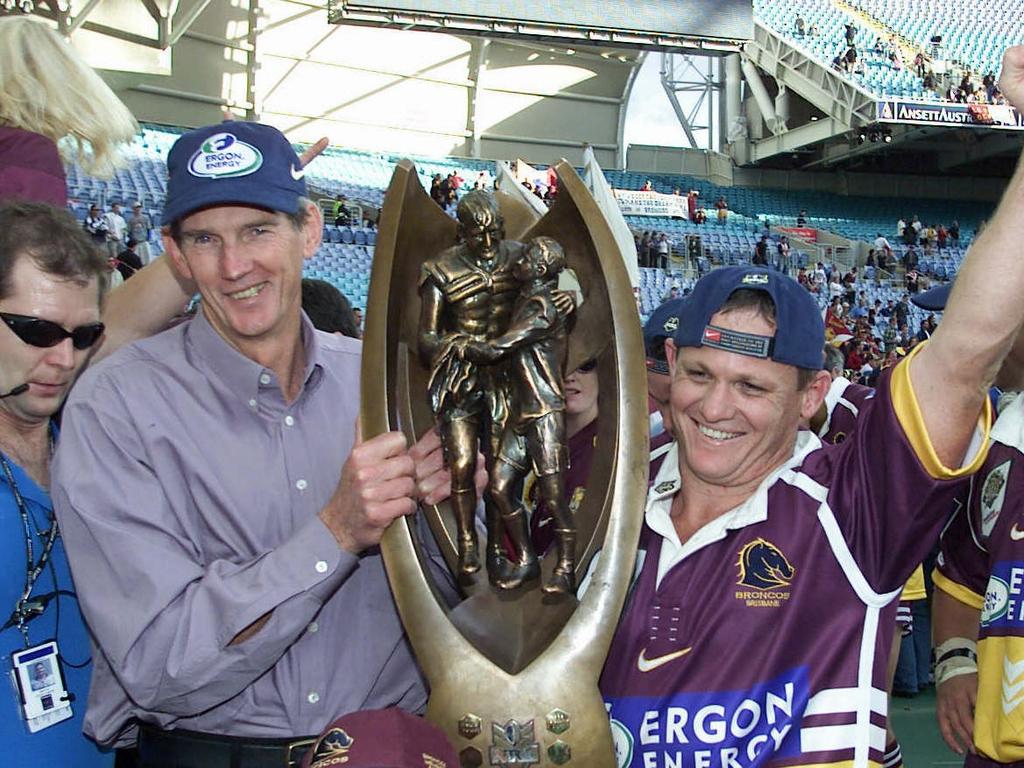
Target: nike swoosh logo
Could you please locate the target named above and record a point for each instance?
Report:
(297, 174)
(647, 665)
(1015, 534)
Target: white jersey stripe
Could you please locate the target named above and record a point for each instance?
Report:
(836, 701)
(833, 738)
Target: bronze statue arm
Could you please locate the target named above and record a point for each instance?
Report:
(432, 303)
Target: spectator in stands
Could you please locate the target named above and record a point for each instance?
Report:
(691, 204)
(909, 235)
(49, 94)
(760, 257)
(645, 249)
(436, 193)
(835, 288)
(328, 308)
(139, 227)
(663, 248)
(902, 311)
(116, 228)
(671, 293)
(801, 219)
(919, 64)
(783, 249)
(901, 227)
(941, 235)
(931, 234)
(723, 209)
(804, 279)
(358, 312)
(128, 261)
(966, 86)
(851, 33)
(870, 260)
(801, 26)
(647, 186)
(954, 233)
(96, 225)
(910, 258)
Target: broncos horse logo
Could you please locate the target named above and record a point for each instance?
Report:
(331, 748)
(763, 566)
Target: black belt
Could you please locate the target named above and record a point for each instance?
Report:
(190, 749)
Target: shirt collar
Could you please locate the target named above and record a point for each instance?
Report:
(753, 510)
(241, 374)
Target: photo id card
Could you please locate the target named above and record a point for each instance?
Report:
(40, 685)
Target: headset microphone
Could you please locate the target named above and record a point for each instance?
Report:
(16, 391)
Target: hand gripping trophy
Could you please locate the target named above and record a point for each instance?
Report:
(467, 331)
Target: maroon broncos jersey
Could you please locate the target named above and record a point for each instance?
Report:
(844, 401)
(982, 564)
(763, 639)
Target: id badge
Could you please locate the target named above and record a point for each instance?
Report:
(38, 679)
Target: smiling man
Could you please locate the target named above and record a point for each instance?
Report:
(221, 513)
(760, 625)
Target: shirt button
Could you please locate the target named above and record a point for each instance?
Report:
(313, 627)
(301, 484)
(289, 421)
(321, 566)
(264, 378)
(252, 404)
(313, 697)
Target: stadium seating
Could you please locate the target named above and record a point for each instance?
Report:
(346, 254)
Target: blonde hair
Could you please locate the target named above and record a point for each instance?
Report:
(48, 89)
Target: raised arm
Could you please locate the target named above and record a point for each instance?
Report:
(142, 306)
(951, 375)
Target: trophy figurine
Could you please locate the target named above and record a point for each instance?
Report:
(467, 330)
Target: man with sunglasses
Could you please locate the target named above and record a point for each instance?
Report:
(50, 290)
(228, 565)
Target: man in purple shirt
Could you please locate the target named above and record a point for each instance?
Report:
(760, 625)
(222, 535)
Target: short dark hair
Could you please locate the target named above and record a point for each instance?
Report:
(327, 307)
(761, 303)
(298, 220)
(53, 240)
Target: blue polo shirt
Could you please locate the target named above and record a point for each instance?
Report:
(63, 744)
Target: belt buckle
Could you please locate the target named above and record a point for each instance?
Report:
(301, 744)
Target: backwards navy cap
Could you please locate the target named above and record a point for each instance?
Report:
(799, 330)
(233, 163)
(934, 300)
(662, 324)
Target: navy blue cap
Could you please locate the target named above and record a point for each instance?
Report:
(232, 163)
(662, 324)
(799, 330)
(934, 300)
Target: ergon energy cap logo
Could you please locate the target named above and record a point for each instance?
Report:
(223, 156)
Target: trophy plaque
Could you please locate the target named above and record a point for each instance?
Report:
(464, 329)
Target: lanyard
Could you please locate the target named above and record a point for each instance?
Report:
(25, 608)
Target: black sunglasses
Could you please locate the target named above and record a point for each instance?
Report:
(44, 333)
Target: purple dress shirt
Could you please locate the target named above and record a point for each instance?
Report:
(187, 490)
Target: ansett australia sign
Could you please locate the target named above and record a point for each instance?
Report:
(1000, 116)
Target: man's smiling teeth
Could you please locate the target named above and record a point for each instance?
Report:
(248, 293)
(716, 434)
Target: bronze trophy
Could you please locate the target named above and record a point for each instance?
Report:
(467, 330)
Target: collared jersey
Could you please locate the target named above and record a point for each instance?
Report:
(763, 639)
(982, 565)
